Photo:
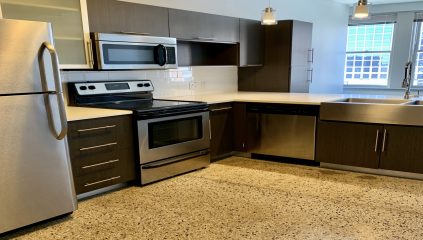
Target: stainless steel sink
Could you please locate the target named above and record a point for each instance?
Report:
(367, 110)
(374, 101)
(416, 103)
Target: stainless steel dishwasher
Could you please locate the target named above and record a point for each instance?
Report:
(282, 130)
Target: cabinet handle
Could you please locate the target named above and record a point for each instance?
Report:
(205, 38)
(96, 128)
(385, 133)
(311, 55)
(99, 164)
(90, 54)
(220, 109)
(98, 146)
(210, 133)
(101, 181)
(377, 141)
(136, 33)
(253, 65)
(310, 75)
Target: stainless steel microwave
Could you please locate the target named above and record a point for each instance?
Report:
(130, 51)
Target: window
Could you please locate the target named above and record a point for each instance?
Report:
(418, 71)
(368, 54)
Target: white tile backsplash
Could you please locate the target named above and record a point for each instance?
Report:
(183, 81)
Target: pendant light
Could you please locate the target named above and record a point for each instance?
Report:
(269, 16)
(361, 10)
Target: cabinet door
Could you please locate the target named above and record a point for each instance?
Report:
(221, 123)
(302, 35)
(403, 149)
(251, 43)
(112, 16)
(349, 144)
(186, 25)
(69, 22)
(240, 127)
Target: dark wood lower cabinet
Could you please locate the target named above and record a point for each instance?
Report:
(403, 149)
(222, 128)
(102, 152)
(349, 144)
(397, 148)
(240, 127)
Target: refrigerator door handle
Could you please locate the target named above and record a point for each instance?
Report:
(58, 91)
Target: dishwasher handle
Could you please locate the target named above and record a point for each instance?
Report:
(286, 109)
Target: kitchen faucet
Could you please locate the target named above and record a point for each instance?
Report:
(406, 83)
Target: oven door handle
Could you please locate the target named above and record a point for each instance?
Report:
(169, 161)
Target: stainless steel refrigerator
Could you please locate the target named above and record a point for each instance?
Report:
(35, 174)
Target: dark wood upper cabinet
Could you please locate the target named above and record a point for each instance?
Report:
(192, 53)
(403, 149)
(349, 144)
(195, 26)
(287, 60)
(112, 16)
(251, 43)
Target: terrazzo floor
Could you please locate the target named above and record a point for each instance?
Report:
(240, 198)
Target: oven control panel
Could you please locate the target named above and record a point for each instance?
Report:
(96, 88)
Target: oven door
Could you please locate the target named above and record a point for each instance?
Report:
(127, 55)
(168, 137)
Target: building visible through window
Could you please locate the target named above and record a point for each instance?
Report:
(368, 54)
(418, 71)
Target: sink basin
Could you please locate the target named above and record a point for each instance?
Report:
(375, 101)
(418, 102)
(367, 110)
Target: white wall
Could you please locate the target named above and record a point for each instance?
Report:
(329, 20)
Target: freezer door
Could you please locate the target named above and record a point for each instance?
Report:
(35, 175)
(20, 42)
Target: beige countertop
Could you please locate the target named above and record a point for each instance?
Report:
(81, 113)
(293, 98)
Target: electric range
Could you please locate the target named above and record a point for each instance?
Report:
(173, 136)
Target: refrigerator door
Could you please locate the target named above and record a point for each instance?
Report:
(36, 181)
(20, 43)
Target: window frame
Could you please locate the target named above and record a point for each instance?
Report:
(355, 23)
(419, 37)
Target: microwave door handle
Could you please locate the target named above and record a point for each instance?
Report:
(166, 58)
(58, 91)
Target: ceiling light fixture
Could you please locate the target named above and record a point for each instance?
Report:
(269, 16)
(361, 10)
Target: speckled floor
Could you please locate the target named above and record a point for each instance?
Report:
(240, 198)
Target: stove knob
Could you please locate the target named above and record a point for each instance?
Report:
(83, 88)
(140, 85)
(92, 87)
(147, 85)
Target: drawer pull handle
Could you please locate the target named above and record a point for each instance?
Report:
(98, 146)
(97, 128)
(221, 109)
(101, 181)
(99, 164)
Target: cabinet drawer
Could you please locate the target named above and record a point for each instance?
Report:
(98, 180)
(91, 133)
(91, 160)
